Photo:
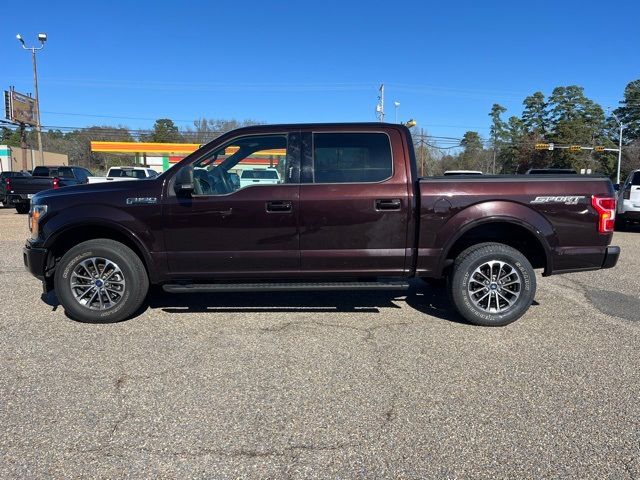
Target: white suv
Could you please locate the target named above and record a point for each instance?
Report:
(629, 200)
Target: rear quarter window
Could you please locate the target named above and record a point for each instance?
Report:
(635, 180)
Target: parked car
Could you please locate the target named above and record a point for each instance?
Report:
(551, 171)
(5, 183)
(462, 172)
(125, 173)
(350, 214)
(629, 201)
(22, 189)
(264, 176)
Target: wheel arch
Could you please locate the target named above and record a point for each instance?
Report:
(70, 236)
(528, 232)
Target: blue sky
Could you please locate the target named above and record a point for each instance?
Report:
(128, 63)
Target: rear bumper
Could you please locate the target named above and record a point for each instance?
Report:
(611, 257)
(631, 215)
(582, 259)
(35, 261)
(14, 198)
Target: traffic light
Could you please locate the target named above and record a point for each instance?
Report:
(575, 148)
(544, 146)
(599, 148)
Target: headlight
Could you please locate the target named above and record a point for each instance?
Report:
(35, 214)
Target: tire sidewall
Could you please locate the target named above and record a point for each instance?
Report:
(122, 309)
(460, 293)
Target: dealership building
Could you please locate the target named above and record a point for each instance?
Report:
(11, 159)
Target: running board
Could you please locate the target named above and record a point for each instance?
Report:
(284, 287)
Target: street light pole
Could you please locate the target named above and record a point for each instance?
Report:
(396, 105)
(42, 37)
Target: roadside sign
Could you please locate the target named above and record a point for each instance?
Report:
(20, 108)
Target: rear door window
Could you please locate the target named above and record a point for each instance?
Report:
(351, 158)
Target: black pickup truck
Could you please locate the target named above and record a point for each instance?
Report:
(348, 212)
(20, 190)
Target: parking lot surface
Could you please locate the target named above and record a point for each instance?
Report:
(338, 385)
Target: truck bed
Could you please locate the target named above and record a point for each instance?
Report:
(556, 209)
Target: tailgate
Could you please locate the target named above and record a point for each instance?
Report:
(634, 195)
(31, 185)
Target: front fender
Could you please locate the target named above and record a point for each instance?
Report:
(134, 228)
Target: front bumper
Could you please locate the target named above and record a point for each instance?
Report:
(35, 261)
(611, 257)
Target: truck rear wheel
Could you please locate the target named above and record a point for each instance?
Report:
(492, 284)
(22, 208)
(101, 281)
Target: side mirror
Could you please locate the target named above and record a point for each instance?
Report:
(184, 181)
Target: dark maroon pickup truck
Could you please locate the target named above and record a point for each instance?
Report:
(345, 211)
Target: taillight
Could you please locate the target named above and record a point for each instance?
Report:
(56, 183)
(7, 185)
(606, 208)
(626, 195)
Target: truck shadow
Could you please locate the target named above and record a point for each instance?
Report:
(422, 297)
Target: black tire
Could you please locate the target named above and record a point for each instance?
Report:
(622, 224)
(131, 270)
(22, 208)
(463, 282)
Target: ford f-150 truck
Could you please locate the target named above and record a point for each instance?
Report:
(22, 189)
(349, 213)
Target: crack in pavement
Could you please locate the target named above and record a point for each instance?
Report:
(387, 416)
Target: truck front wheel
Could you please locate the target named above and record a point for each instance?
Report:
(492, 284)
(101, 281)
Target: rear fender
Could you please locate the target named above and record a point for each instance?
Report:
(493, 212)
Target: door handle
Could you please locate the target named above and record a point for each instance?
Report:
(388, 204)
(279, 206)
(222, 213)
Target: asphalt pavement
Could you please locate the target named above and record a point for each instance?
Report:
(333, 385)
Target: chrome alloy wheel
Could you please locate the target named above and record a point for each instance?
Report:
(97, 283)
(495, 286)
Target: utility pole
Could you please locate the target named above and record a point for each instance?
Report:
(380, 105)
(621, 125)
(23, 146)
(42, 37)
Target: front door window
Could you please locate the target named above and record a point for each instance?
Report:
(242, 163)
